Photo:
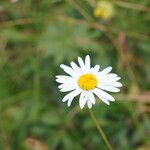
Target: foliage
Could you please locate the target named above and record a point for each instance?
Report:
(35, 37)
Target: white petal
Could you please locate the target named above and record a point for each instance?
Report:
(83, 99)
(105, 100)
(117, 78)
(68, 83)
(68, 87)
(110, 75)
(63, 79)
(68, 70)
(101, 93)
(100, 96)
(69, 102)
(109, 88)
(87, 62)
(60, 86)
(81, 63)
(106, 70)
(89, 104)
(108, 79)
(117, 84)
(74, 66)
(71, 95)
(62, 76)
(91, 97)
(114, 84)
(95, 69)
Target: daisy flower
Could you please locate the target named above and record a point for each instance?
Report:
(104, 10)
(87, 82)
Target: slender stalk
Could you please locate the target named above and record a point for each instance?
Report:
(134, 6)
(101, 132)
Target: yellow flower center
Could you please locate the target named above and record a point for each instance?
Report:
(104, 10)
(87, 82)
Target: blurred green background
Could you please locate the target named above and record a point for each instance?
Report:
(36, 36)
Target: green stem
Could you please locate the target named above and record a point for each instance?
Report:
(101, 132)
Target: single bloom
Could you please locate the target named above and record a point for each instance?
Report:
(104, 10)
(87, 82)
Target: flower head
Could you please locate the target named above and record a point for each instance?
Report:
(104, 10)
(87, 82)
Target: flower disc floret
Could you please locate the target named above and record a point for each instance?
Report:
(87, 82)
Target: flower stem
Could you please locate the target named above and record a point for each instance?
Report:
(101, 132)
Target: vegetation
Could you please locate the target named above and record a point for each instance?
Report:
(36, 37)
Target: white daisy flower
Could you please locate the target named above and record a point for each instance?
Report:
(87, 81)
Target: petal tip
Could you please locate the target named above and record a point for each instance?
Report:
(81, 107)
(87, 56)
(61, 66)
(107, 103)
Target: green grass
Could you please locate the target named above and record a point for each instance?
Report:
(35, 38)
